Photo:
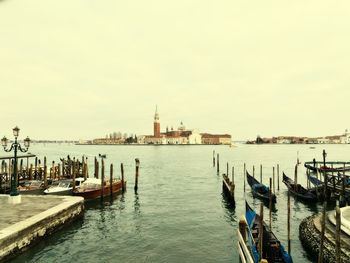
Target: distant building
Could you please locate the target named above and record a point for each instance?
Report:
(108, 141)
(345, 138)
(216, 139)
(334, 139)
(323, 140)
(181, 135)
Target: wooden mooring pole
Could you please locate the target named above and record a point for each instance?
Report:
(137, 162)
(96, 168)
(278, 177)
(86, 170)
(323, 226)
(214, 158)
(253, 171)
(227, 168)
(74, 175)
(337, 233)
(244, 176)
(261, 173)
(288, 222)
(122, 172)
(31, 172)
(36, 168)
(273, 179)
(45, 173)
(270, 206)
(233, 174)
(243, 227)
(323, 222)
(111, 179)
(261, 232)
(217, 164)
(102, 177)
(59, 170)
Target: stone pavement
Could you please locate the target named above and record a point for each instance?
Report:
(36, 216)
(30, 206)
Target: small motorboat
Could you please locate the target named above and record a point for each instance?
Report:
(92, 188)
(64, 187)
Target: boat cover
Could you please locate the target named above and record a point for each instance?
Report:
(261, 188)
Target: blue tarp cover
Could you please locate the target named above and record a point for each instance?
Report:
(287, 258)
(250, 216)
(260, 188)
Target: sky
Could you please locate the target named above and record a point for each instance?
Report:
(80, 69)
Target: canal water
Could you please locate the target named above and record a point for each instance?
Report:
(179, 213)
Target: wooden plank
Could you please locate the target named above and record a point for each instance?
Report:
(18, 156)
(244, 247)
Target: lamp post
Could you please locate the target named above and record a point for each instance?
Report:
(16, 146)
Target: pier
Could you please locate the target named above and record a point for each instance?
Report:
(332, 175)
(26, 223)
(310, 230)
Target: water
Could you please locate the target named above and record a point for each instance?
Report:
(179, 213)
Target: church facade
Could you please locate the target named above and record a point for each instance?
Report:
(180, 136)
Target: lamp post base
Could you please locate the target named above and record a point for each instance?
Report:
(15, 199)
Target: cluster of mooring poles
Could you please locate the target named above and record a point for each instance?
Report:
(66, 168)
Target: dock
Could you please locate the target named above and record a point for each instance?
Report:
(25, 223)
(310, 230)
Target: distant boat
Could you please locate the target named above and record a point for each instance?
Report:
(272, 250)
(260, 190)
(91, 188)
(298, 190)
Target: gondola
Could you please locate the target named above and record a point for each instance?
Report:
(260, 190)
(298, 190)
(228, 188)
(272, 250)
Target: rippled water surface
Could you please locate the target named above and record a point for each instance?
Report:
(179, 213)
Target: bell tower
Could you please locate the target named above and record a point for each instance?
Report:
(156, 124)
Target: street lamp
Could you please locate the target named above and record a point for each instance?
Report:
(16, 146)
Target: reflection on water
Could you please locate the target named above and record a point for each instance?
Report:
(229, 208)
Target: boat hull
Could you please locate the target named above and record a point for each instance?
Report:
(63, 192)
(90, 194)
(228, 189)
(263, 196)
(299, 192)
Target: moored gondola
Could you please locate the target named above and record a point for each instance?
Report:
(260, 190)
(228, 188)
(272, 249)
(298, 190)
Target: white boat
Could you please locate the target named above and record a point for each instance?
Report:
(63, 187)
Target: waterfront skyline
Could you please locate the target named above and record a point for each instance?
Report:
(76, 70)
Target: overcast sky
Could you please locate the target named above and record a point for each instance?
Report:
(74, 69)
